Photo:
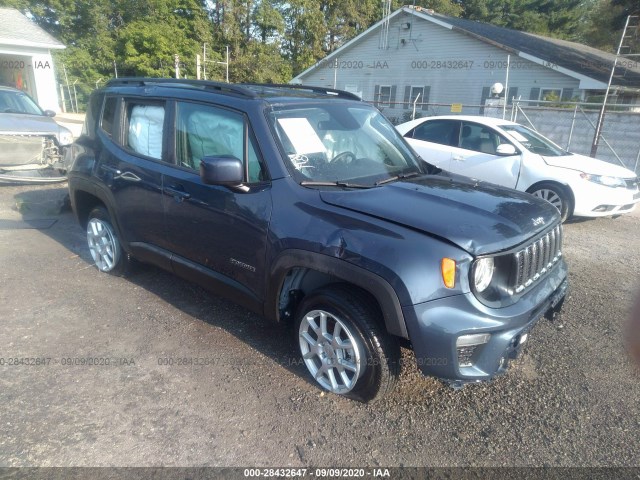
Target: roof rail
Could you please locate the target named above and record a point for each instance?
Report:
(205, 84)
(311, 88)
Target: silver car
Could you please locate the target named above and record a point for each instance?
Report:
(31, 142)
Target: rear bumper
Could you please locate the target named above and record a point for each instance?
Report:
(435, 326)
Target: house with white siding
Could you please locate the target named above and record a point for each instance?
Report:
(418, 53)
(25, 58)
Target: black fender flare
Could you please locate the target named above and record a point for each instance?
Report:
(358, 276)
(81, 184)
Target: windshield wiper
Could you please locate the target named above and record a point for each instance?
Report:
(396, 177)
(333, 184)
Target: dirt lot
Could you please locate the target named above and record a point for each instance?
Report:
(573, 399)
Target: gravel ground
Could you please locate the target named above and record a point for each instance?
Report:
(571, 400)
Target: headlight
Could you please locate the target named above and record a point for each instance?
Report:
(483, 273)
(604, 180)
(65, 138)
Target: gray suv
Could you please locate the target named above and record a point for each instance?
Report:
(305, 205)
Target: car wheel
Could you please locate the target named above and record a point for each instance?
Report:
(104, 246)
(556, 196)
(343, 345)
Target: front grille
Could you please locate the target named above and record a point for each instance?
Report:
(537, 259)
(632, 183)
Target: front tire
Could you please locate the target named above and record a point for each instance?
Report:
(343, 345)
(556, 196)
(104, 245)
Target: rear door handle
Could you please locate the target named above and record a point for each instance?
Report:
(177, 192)
(117, 173)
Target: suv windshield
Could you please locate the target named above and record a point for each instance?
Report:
(341, 143)
(18, 102)
(534, 142)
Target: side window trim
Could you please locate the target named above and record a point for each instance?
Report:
(457, 128)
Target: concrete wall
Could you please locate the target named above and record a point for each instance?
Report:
(574, 131)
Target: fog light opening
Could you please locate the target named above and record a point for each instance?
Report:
(467, 346)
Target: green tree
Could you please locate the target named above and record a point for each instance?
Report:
(555, 18)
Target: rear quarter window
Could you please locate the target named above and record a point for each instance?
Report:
(107, 122)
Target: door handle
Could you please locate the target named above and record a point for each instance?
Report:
(458, 158)
(117, 173)
(177, 192)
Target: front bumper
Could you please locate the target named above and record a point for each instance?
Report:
(592, 200)
(435, 326)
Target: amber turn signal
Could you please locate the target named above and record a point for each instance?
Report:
(448, 268)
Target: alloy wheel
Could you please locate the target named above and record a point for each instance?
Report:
(103, 244)
(330, 351)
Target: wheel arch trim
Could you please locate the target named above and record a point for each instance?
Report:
(372, 283)
(80, 185)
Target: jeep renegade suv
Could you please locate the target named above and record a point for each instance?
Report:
(304, 205)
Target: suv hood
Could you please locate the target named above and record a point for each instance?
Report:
(589, 165)
(476, 216)
(17, 123)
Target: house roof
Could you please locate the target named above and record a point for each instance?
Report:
(17, 30)
(590, 65)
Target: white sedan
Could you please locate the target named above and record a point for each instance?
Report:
(510, 154)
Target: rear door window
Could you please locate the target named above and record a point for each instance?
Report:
(144, 129)
(444, 132)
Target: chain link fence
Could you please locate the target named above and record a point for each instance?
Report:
(572, 125)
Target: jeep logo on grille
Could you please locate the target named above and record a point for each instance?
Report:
(538, 221)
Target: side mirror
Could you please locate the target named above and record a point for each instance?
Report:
(506, 150)
(224, 170)
(49, 113)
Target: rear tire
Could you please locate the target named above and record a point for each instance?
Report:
(343, 345)
(556, 196)
(104, 244)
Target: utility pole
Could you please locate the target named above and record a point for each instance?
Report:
(176, 63)
(198, 66)
(506, 89)
(598, 133)
(204, 61)
(226, 64)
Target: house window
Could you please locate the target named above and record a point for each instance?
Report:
(384, 98)
(416, 92)
(550, 94)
